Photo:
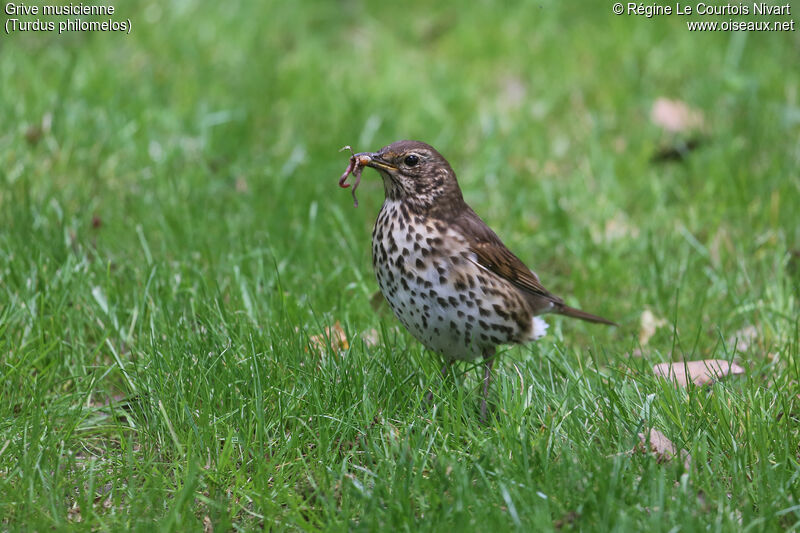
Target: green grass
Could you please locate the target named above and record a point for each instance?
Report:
(173, 238)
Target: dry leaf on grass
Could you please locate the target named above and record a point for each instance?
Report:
(338, 340)
(663, 448)
(648, 324)
(333, 336)
(675, 116)
(699, 372)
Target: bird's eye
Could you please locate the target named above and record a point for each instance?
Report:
(411, 160)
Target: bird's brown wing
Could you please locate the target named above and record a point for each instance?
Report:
(493, 255)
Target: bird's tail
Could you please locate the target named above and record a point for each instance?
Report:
(583, 315)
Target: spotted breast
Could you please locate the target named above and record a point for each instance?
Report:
(439, 291)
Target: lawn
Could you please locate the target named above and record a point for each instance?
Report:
(174, 248)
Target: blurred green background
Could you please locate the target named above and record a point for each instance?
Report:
(171, 237)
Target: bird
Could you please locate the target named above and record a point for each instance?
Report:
(445, 274)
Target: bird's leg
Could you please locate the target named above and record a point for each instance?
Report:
(445, 371)
(488, 361)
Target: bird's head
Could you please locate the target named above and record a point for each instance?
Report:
(415, 173)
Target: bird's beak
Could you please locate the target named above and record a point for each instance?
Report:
(372, 159)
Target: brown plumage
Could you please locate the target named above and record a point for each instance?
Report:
(494, 256)
(446, 275)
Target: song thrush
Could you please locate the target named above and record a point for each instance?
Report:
(446, 275)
